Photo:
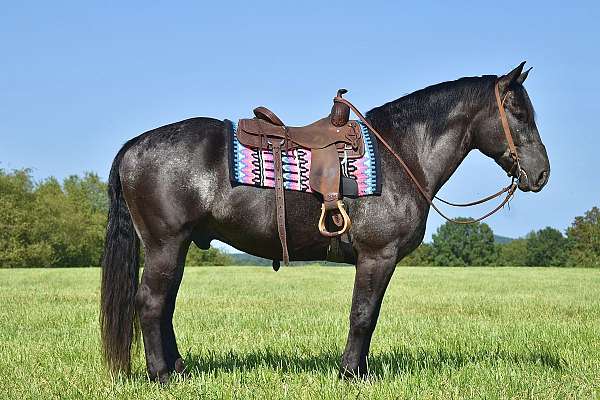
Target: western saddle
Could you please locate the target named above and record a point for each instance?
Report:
(329, 139)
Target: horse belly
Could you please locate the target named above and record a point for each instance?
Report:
(246, 220)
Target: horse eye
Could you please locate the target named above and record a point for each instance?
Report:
(520, 115)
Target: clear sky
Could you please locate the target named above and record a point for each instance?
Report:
(77, 79)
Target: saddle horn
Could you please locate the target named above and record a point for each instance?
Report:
(340, 112)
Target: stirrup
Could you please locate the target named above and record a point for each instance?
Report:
(347, 222)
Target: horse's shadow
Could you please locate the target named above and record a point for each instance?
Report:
(398, 361)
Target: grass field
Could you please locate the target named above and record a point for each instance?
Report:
(252, 333)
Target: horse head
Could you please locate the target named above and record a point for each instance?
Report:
(533, 167)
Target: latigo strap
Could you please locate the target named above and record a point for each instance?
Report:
(280, 201)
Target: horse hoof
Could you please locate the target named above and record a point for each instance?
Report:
(349, 373)
(163, 379)
(160, 377)
(179, 365)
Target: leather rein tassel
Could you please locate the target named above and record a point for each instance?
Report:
(509, 190)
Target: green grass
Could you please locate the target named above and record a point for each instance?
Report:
(253, 333)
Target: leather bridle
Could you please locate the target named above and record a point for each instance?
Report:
(512, 149)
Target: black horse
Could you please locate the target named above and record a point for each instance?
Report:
(170, 186)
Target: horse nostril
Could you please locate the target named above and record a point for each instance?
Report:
(542, 179)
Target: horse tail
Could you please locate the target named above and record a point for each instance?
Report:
(120, 269)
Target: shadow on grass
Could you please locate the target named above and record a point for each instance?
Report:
(399, 361)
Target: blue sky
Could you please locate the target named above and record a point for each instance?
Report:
(77, 79)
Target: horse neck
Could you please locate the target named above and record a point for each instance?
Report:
(432, 137)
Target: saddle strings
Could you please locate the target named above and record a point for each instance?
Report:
(509, 190)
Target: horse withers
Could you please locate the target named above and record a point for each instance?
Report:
(170, 186)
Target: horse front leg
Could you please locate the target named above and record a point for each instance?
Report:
(373, 273)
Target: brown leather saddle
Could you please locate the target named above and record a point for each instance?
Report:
(329, 139)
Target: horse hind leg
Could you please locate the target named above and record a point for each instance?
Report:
(172, 355)
(155, 303)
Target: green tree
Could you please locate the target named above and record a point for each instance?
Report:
(212, 256)
(546, 248)
(88, 207)
(584, 240)
(48, 224)
(71, 219)
(421, 256)
(513, 253)
(464, 244)
(19, 228)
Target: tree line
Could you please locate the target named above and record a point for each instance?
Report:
(62, 224)
(475, 245)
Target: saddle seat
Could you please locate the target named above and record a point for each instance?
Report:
(329, 139)
(318, 135)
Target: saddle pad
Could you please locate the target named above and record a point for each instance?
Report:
(254, 167)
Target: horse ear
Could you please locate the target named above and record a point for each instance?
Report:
(506, 80)
(523, 76)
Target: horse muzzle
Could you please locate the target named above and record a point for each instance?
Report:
(536, 184)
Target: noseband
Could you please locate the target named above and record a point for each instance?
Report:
(512, 149)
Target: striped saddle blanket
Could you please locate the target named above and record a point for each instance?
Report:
(254, 167)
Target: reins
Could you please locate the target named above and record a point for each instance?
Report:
(509, 190)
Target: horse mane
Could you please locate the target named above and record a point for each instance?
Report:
(427, 105)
